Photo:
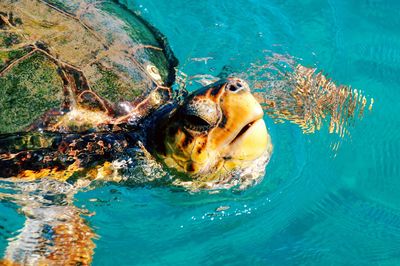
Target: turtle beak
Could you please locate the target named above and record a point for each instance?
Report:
(243, 136)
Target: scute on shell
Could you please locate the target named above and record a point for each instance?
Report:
(62, 56)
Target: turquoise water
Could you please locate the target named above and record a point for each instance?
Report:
(316, 205)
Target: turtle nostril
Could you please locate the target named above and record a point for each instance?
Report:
(230, 87)
(233, 87)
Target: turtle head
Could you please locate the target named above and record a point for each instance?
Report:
(218, 131)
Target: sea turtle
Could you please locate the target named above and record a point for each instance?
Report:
(86, 94)
(86, 85)
(86, 81)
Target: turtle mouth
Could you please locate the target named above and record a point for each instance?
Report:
(250, 142)
(244, 130)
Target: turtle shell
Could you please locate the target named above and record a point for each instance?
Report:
(75, 64)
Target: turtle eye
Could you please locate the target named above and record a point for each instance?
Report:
(199, 114)
(196, 123)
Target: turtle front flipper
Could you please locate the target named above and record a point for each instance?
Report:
(308, 99)
(29, 156)
(54, 233)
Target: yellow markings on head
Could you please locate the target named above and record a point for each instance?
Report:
(250, 148)
(239, 109)
(200, 154)
(207, 149)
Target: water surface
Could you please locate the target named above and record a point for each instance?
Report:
(316, 205)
